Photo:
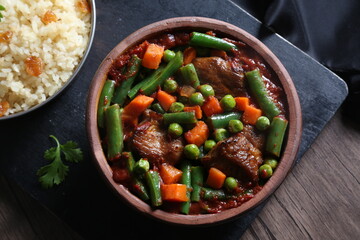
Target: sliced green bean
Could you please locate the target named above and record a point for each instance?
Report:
(132, 71)
(168, 55)
(197, 181)
(258, 89)
(190, 76)
(129, 161)
(114, 132)
(276, 135)
(141, 167)
(132, 93)
(180, 117)
(150, 87)
(153, 181)
(158, 108)
(104, 101)
(211, 194)
(222, 120)
(205, 40)
(186, 179)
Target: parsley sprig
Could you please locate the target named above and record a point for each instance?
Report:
(56, 171)
(2, 8)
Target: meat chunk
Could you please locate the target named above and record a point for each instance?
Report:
(218, 73)
(236, 157)
(152, 142)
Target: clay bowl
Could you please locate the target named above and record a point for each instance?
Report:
(290, 146)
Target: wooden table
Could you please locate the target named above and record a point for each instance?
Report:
(318, 200)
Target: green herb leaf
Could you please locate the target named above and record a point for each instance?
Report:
(2, 8)
(72, 152)
(55, 172)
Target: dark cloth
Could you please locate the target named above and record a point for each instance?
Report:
(328, 30)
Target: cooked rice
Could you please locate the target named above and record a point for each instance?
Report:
(59, 44)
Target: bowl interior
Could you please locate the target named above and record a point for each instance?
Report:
(76, 70)
(291, 143)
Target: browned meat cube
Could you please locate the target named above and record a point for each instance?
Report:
(152, 142)
(236, 157)
(218, 73)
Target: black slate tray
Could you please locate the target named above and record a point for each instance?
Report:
(83, 201)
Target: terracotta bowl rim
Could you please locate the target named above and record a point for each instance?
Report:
(294, 128)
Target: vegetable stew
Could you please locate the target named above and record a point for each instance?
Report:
(192, 122)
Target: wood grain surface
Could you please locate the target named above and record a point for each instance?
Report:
(318, 200)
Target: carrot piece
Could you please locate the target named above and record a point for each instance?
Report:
(196, 109)
(242, 103)
(165, 99)
(135, 108)
(219, 53)
(251, 114)
(153, 55)
(211, 106)
(189, 55)
(198, 135)
(174, 192)
(170, 174)
(216, 178)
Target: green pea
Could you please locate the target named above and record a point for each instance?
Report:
(196, 99)
(265, 171)
(228, 103)
(230, 183)
(142, 166)
(235, 126)
(191, 151)
(175, 130)
(207, 90)
(272, 162)
(170, 85)
(262, 123)
(220, 134)
(176, 107)
(208, 145)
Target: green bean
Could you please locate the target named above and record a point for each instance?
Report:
(153, 181)
(186, 179)
(136, 183)
(139, 188)
(141, 167)
(222, 120)
(211, 194)
(151, 86)
(258, 89)
(132, 93)
(158, 108)
(114, 132)
(132, 71)
(168, 55)
(190, 76)
(205, 40)
(180, 117)
(197, 181)
(104, 101)
(129, 161)
(276, 135)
